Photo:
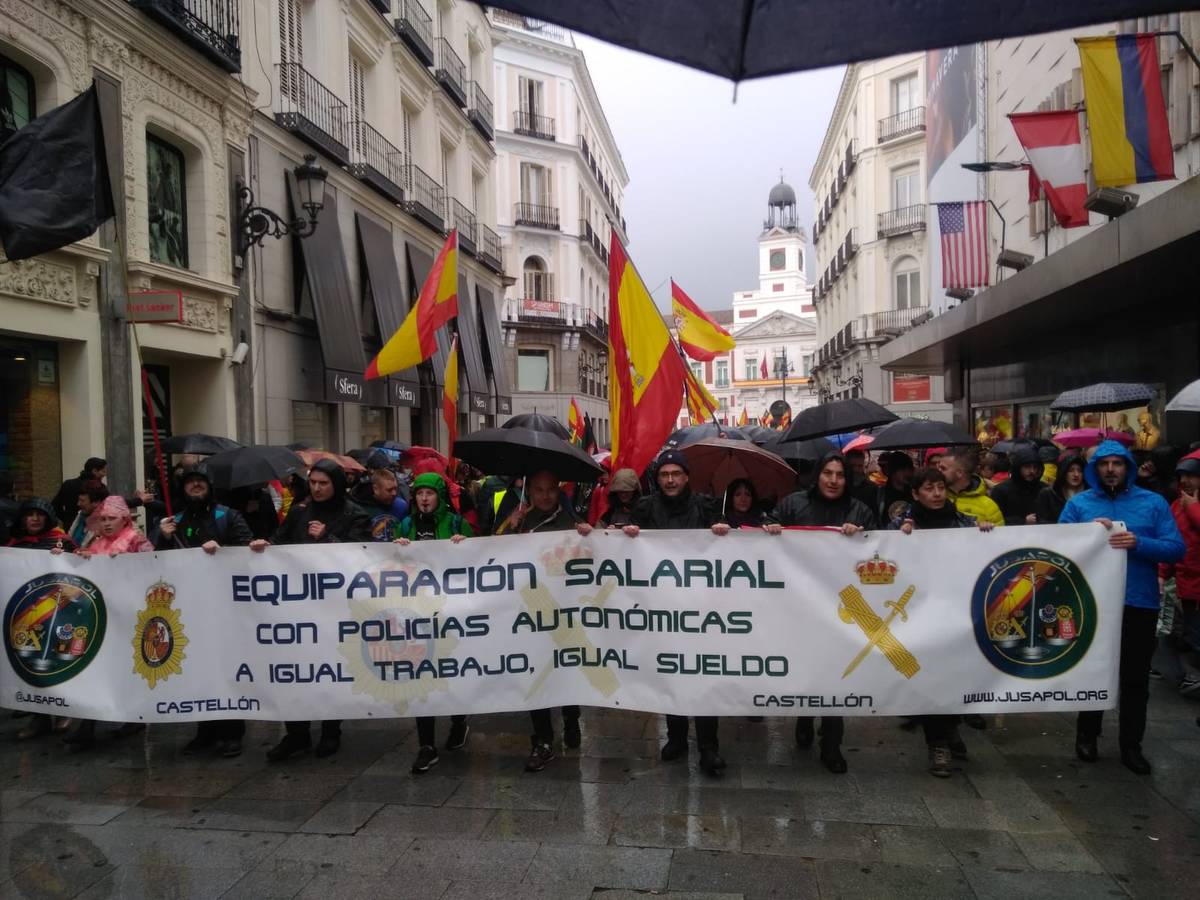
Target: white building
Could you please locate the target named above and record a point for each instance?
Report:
(870, 234)
(773, 322)
(559, 191)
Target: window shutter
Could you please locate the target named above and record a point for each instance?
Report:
(358, 103)
(406, 123)
(291, 47)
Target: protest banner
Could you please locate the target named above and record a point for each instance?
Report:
(813, 622)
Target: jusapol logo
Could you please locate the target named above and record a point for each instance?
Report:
(53, 627)
(1034, 613)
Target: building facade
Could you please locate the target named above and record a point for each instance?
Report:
(870, 235)
(559, 191)
(772, 324)
(394, 99)
(1111, 301)
(71, 355)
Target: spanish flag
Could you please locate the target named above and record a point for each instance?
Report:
(575, 422)
(414, 341)
(1127, 117)
(700, 403)
(450, 402)
(645, 371)
(744, 418)
(700, 337)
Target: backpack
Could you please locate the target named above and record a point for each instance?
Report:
(221, 519)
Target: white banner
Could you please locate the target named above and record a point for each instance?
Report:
(807, 623)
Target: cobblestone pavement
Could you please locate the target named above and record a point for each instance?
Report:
(135, 818)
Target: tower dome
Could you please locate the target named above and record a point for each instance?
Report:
(781, 207)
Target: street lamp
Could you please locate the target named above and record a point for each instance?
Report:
(782, 368)
(257, 222)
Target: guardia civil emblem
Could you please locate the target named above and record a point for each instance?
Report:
(158, 638)
(856, 610)
(53, 628)
(1034, 613)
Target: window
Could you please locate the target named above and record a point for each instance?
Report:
(530, 94)
(904, 94)
(358, 102)
(533, 370)
(907, 284)
(777, 288)
(406, 136)
(447, 169)
(906, 187)
(751, 365)
(722, 373)
(17, 98)
(806, 365)
(697, 371)
(291, 49)
(535, 185)
(166, 203)
(539, 284)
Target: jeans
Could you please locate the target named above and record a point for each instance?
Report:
(543, 725)
(1138, 640)
(706, 730)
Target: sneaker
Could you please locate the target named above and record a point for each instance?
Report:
(1132, 759)
(1156, 675)
(458, 737)
(939, 761)
(38, 725)
(711, 761)
(539, 757)
(427, 758)
(572, 737)
(1085, 749)
(673, 750)
(1190, 687)
(230, 747)
(328, 744)
(289, 746)
(199, 744)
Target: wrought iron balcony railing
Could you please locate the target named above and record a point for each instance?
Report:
(424, 198)
(479, 110)
(468, 227)
(312, 112)
(414, 27)
(376, 161)
(535, 215)
(904, 220)
(451, 72)
(531, 124)
(491, 253)
(209, 26)
(911, 121)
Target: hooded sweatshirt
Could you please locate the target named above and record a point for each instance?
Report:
(810, 507)
(441, 524)
(1016, 497)
(617, 514)
(1186, 572)
(1052, 499)
(975, 502)
(1144, 513)
(127, 539)
(342, 518)
(48, 538)
(201, 521)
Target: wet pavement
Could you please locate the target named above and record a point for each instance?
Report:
(1022, 818)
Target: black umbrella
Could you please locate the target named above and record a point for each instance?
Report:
(838, 417)
(798, 451)
(757, 433)
(539, 422)
(198, 444)
(300, 445)
(908, 434)
(251, 465)
(1108, 396)
(522, 451)
(753, 39)
(693, 433)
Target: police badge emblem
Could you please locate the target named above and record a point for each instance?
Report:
(158, 638)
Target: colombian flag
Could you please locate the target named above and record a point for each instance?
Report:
(450, 402)
(700, 403)
(1127, 117)
(575, 422)
(414, 341)
(645, 372)
(700, 337)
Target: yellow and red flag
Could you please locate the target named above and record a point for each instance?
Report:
(646, 373)
(575, 422)
(700, 403)
(415, 340)
(700, 337)
(744, 418)
(450, 402)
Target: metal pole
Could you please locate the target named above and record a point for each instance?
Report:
(1046, 221)
(1186, 46)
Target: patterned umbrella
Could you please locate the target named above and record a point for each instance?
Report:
(1107, 396)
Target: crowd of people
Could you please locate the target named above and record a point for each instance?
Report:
(1151, 506)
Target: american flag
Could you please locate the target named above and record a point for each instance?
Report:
(964, 244)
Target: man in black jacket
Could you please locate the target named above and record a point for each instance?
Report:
(1017, 495)
(674, 505)
(207, 524)
(325, 516)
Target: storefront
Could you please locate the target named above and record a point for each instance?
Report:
(30, 413)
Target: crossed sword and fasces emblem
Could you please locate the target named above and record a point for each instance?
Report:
(855, 609)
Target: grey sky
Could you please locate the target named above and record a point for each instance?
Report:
(700, 166)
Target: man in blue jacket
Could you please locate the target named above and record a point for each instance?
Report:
(1151, 537)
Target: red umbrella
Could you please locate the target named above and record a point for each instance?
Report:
(1090, 437)
(414, 455)
(859, 443)
(715, 462)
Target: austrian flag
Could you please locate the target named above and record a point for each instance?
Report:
(1055, 150)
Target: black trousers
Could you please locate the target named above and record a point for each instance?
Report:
(833, 728)
(222, 730)
(427, 729)
(329, 726)
(1138, 640)
(939, 730)
(543, 725)
(706, 730)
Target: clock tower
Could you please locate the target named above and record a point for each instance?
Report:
(782, 245)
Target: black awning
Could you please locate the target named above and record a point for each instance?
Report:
(390, 299)
(472, 353)
(328, 278)
(492, 345)
(419, 265)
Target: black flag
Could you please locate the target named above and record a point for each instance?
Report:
(54, 186)
(589, 435)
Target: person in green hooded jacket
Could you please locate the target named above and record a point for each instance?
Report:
(431, 518)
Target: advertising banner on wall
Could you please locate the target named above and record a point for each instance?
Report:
(808, 622)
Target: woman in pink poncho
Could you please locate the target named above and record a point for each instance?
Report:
(115, 534)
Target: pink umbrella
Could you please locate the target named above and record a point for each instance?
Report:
(859, 443)
(1090, 437)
